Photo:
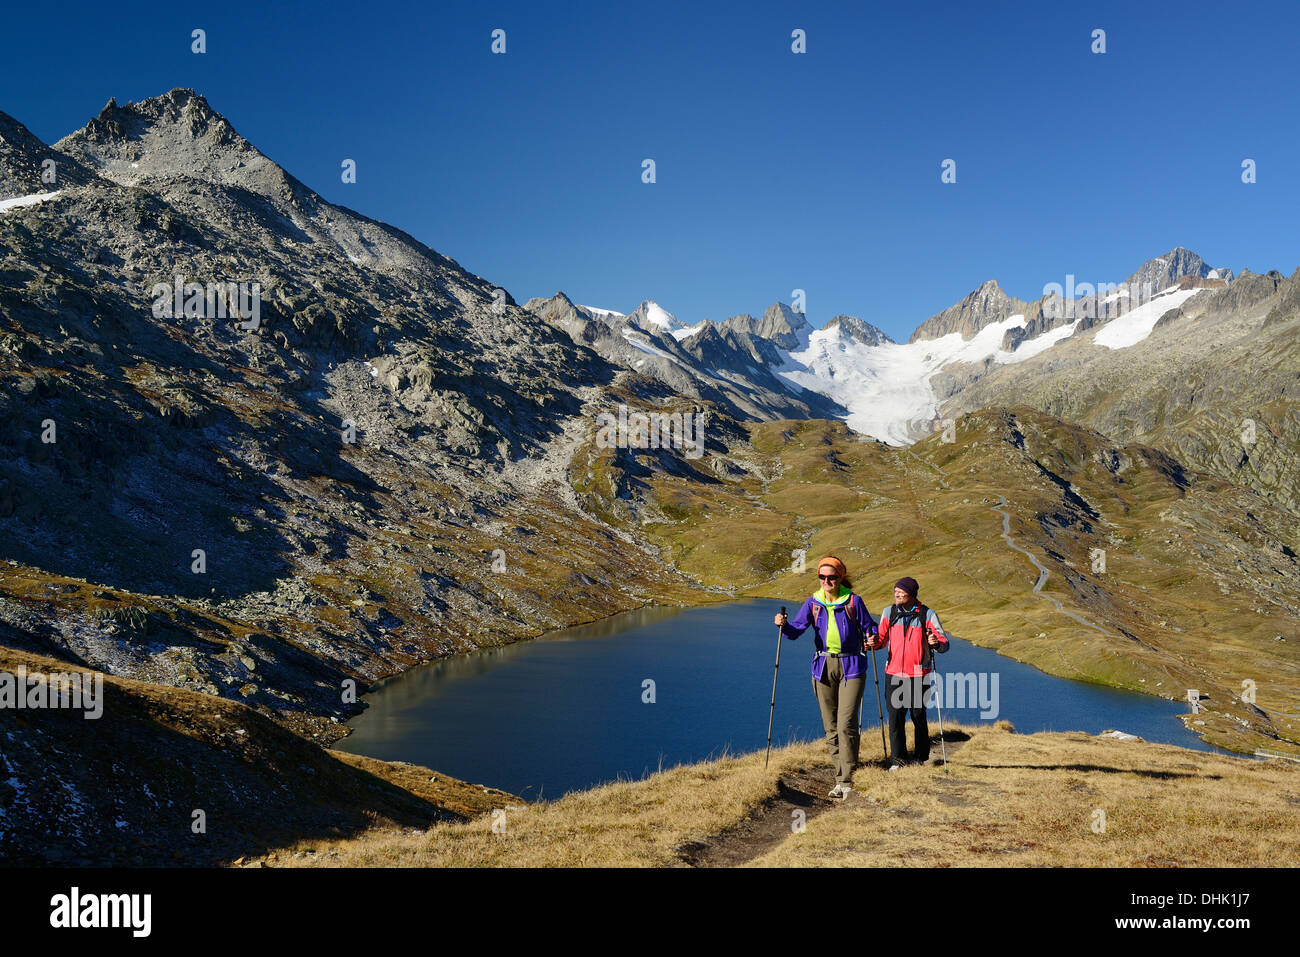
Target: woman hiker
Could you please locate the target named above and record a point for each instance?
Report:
(841, 624)
(913, 634)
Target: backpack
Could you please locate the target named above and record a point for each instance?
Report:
(926, 652)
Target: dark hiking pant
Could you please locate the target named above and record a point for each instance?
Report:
(907, 696)
(839, 701)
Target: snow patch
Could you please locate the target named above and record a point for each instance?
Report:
(659, 320)
(32, 200)
(637, 343)
(1135, 325)
(1040, 343)
(886, 387)
(661, 317)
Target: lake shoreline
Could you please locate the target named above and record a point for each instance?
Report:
(1032, 661)
(435, 715)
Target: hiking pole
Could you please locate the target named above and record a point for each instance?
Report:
(934, 679)
(775, 670)
(875, 678)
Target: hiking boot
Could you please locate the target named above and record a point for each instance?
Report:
(836, 792)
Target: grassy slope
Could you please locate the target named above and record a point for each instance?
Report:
(1029, 801)
(1197, 586)
(815, 486)
(121, 789)
(367, 600)
(1009, 799)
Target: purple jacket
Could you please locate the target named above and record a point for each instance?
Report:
(853, 621)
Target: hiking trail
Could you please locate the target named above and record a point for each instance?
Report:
(773, 821)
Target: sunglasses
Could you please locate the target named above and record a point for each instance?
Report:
(829, 578)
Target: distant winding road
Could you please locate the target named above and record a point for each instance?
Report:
(1043, 573)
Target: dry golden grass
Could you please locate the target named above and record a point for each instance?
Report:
(1008, 800)
(1032, 801)
(624, 824)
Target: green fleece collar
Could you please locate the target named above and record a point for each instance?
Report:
(843, 597)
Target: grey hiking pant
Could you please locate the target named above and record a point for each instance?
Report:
(839, 701)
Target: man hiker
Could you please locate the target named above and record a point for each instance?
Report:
(912, 633)
(841, 624)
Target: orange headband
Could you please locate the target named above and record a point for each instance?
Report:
(834, 563)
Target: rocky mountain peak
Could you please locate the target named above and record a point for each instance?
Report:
(858, 330)
(559, 310)
(22, 162)
(20, 159)
(174, 136)
(185, 110)
(984, 305)
(1165, 271)
(743, 322)
(782, 325)
(654, 318)
(170, 144)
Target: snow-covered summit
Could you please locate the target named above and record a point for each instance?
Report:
(889, 390)
(653, 317)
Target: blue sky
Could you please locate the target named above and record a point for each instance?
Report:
(775, 171)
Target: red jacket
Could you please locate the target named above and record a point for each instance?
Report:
(906, 639)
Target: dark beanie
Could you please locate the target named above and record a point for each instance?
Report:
(908, 585)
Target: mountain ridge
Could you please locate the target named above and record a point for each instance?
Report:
(400, 464)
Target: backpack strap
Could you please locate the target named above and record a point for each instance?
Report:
(897, 614)
(924, 612)
(927, 652)
(862, 631)
(893, 620)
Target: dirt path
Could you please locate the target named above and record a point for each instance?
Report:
(769, 824)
